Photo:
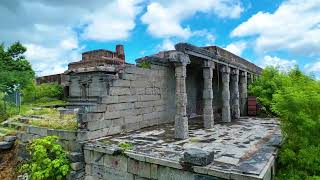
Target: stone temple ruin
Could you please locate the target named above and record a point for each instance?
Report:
(184, 111)
(186, 83)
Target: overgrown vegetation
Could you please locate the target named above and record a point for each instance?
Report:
(42, 93)
(125, 146)
(48, 160)
(17, 76)
(295, 98)
(145, 65)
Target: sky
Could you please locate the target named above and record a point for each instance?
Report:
(283, 33)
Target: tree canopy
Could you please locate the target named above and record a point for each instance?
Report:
(295, 98)
(15, 71)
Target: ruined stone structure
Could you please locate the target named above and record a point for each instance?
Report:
(161, 105)
(188, 82)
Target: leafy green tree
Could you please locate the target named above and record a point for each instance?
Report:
(295, 98)
(15, 71)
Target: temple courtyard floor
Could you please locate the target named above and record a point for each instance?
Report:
(243, 149)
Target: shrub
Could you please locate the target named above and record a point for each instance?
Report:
(42, 92)
(48, 160)
(145, 65)
(295, 98)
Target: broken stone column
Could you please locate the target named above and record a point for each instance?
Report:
(226, 116)
(181, 120)
(208, 118)
(243, 95)
(234, 94)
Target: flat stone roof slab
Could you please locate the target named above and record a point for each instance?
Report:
(245, 146)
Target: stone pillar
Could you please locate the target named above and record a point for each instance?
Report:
(234, 94)
(181, 120)
(244, 94)
(226, 116)
(208, 118)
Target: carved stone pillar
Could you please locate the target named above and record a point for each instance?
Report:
(208, 118)
(226, 116)
(234, 94)
(181, 120)
(244, 93)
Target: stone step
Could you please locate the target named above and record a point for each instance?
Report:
(16, 125)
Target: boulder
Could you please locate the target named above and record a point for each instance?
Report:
(199, 157)
(10, 138)
(5, 145)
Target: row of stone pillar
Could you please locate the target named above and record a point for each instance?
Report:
(233, 103)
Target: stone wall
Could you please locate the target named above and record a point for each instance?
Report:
(138, 98)
(67, 139)
(102, 163)
(97, 84)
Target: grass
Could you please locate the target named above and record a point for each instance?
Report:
(50, 116)
(51, 119)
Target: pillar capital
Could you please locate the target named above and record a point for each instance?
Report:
(243, 74)
(179, 58)
(234, 72)
(208, 64)
(225, 69)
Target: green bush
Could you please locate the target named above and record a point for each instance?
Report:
(145, 65)
(48, 160)
(295, 98)
(42, 92)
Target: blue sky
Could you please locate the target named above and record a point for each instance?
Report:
(277, 32)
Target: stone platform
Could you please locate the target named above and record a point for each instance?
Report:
(244, 149)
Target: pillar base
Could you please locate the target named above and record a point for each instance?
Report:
(181, 127)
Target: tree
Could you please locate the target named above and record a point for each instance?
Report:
(15, 71)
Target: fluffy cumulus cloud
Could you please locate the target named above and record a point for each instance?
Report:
(293, 27)
(282, 64)
(237, 47)
(113, 21)
(164, 17)
(166, 45)
(47, 28)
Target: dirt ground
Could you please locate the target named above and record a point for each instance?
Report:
(8, 164)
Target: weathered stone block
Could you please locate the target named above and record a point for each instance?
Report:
(139, 168)
(120, 106)
(77, 166)
(76, 157)
(37, 130)
(121, 83)
(114, 91)
(137, 91)
(110, 99)
(118, 162)
(149, 97)
(198, 157)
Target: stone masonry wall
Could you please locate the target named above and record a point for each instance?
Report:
(104, 166)
(138, 98)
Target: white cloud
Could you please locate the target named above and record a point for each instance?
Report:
(47, 28)
(282, 64)
(166, 45)
(312, 67)
(236, 47)
(294, 27)
(112, 22)
(164, 17)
